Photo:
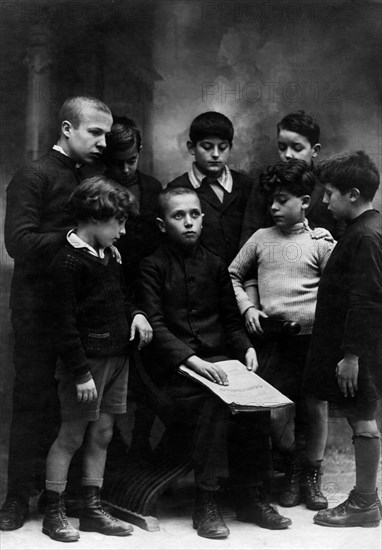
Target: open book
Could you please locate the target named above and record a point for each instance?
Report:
(246, 391)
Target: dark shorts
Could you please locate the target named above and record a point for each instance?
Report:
(355, 410)
(110, 375)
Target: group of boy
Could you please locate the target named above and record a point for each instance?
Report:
(187, 307)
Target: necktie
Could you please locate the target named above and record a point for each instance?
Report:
(215, 186)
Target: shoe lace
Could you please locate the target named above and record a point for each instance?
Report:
(213, 511)
(12, 504)
(312, 479)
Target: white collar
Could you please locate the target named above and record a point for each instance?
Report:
(77, 242)
(60, 150)
(196, 177)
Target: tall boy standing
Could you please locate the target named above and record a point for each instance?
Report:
(188, 297)
(35, 227)
(223, 193)
(346, 347)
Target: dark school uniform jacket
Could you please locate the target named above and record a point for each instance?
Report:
(142, 234)
(349, 313)
(191, 306)
(222, 222)
(36, 224)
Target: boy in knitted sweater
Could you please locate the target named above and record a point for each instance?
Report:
(94, 324)
(289, 263)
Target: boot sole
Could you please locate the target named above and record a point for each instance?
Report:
(365, 524)
(117, 534)
(70, 539)
(244, 519)
(217, 536)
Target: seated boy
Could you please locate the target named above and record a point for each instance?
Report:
(93, 326)
(289, 264)
(223, 193)
(344, 364)
(187, 294)
(124, 144)
(298, 137)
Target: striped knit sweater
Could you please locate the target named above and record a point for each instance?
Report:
(288, 265)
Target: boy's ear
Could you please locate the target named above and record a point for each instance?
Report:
(66, 126)
(160, 224)
(191, 147)
(316, 149)
(305, 201)
(354, 194)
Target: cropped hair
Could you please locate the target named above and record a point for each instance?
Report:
(72, 107)
(101, 198)
(166, 194)
(302, 124)
(348, 170)
(123, 135)
(295, 176)
(211, 124)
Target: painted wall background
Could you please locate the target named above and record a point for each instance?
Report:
(164, 62)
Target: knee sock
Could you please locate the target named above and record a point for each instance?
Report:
(367, 454)
(92, 482)
(56, 486)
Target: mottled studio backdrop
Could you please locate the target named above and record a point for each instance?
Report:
(164, 62)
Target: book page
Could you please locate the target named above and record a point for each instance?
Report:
(245, 389)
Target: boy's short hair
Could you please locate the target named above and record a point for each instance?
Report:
(124, 134)
(101, 198)
(210, 124)
(71, 109)
(295, 176)
(166, 194)
(348, 170)
(302, 124)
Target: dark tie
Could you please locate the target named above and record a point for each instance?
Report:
(217, 188)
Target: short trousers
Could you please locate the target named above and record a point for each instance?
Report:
(356, 410)
(110, 375)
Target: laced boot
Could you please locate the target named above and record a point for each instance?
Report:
(94, 517)
(311, 488)
(55, 523)
(291, 491)
(13, 512)
(254, 507)
(358, 510)
(207, 518)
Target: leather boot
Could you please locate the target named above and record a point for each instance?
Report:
(291, 491)
(95, 518)
(311, 488)
(254, 507)
(13, 512)
(55, 523)
(207, 518)
(358, 510)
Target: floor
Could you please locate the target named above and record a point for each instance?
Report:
(174, 512)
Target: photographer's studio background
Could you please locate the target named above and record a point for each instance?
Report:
(164, 62)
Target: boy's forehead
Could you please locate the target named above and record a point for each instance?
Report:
(292, 137)
(214, 139)
(125, 154)
(183, 202)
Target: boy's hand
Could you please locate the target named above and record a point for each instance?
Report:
(347, 374)
(141, 325)
(321, 233)
(251, 359)
(252, 320)
(86, 391)
(116, 254)
(211, 371)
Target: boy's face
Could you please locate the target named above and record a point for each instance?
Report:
(340, 205)
(182, 220)
(287, 209)
(122, 165)
(211, 155)
(106, 232)
(86, 143)
(295, 146)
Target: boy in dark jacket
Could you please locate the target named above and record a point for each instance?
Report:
(345, 353)
(223, 193)
(93, 324)
(187, 294)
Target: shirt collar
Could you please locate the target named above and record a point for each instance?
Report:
(77, 242)
(196, 178)
(60, 150)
